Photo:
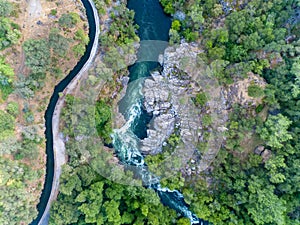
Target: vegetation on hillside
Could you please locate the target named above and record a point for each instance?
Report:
(261, 37)
(9, 35)
(85, 195)
(243, 187)
(22, 111)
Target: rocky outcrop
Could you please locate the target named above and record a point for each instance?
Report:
(163, 127)
(156, 94)
(168, 96)
(263, 152)
(266, 155)
(238, 91)
(259, 149)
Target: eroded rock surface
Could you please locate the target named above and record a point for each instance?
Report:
(168, 96)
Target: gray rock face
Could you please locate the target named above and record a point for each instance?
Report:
(259, 149)
(163, 127)
(238, 91)
(266, 154)
(157, 101)
(166, 95)
(156, 94)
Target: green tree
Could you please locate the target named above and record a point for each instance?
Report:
(176, 25)
(195, 12)
(103, 120)
(183, 221)
(71, 182)
(37, 55)
(275, 131)
(80, 35)
(264, 206)
(9, 33)
(276, 165)
(112, 212)
(91, 201)
(79, 49)
(216, 53)
(236, 22)
(6, 79)
(6, 8)
(6, 71)
(190, 35)
(14, 195)
(68, 20)
(168, 6)
(253, 41)
(174, 36)
(217, 10)
(7, 124)
(66, 213)
(58, 43)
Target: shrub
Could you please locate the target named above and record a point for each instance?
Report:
(206, 120)
(29, 117)
(82, 36)
(6, 8)
(58, 43)
(23, 90)
(259, 108)
(9, 33)
(53, 12)
(7, 124)
(255, 91)
(13, 108)
(37, 55)
(200, 99)
(68, 20)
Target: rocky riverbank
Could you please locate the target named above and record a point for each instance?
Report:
(169, 95)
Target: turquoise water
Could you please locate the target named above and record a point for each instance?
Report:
(154, 27)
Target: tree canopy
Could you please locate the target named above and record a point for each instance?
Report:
(37, 55)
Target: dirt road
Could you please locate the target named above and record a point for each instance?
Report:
(58, 143)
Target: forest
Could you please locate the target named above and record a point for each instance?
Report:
(260, 37)
(23, 100)
(15, 176)
(86, 195)
(255, 178)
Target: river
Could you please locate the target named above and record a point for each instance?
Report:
(153, 32)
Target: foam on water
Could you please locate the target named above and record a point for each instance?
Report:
(154, 25)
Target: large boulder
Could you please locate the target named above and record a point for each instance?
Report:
(163, 127)
(259, 149)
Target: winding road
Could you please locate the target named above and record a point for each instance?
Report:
(58, 143)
